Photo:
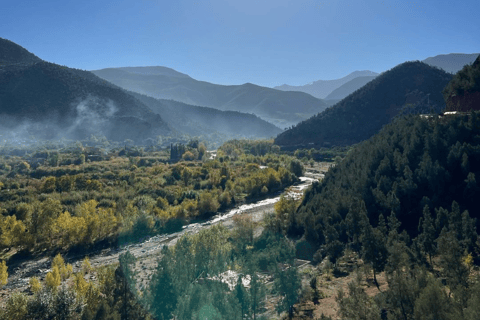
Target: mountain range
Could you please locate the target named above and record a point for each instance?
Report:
(278, 107)
(46, 100)
(199, 121)
(408, 88)
(338, 89)
(322, 88)
(453, 62)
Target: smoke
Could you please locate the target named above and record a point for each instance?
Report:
(89, 116)
(92, 117)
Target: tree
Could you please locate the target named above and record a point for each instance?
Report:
(287, 284)
(3, 274)
(427, 233)
(242, 296)
(125, 293)
(432, 303)
(285, 212)
(296, 167)
(35, 285)
(66, 305)
(256, 293)
(451, 256)
(357, 305)
(162, 293)
(53, 279)
(374, 250)
(15, 307)
(65, 270)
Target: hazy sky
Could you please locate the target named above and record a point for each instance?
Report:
(232, 42)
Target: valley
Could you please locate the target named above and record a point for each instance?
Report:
(143, 193)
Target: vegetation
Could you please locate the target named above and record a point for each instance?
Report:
(363, 113)
(62, 201)
(463, 92)
(190, 281)
(404, 200)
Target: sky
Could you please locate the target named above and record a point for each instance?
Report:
(264, 42)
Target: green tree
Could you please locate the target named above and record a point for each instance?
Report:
(242, 296)
(374, 250)
(15, 307)
(432, 303)
(125, 293)
(287, 284)
(357, 305)
(451, 256)
(163, 295)
(427, 233)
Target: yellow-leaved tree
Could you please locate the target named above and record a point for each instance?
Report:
(12, 231)
(35, 285)
(3, 274)
(64, 270)
(99, 222)
(53, 280)
(69, 230)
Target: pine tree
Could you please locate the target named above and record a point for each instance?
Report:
(432, 303)
(287, 284)
(427, 233)
(451, 256)
(374, 250)
(163, 295)
(242, 296)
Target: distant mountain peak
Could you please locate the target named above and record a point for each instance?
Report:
(451, 62)
(147, 70)
(322, 88)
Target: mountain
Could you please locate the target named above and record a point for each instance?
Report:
(411, 164)
(12, 53)
(322, 88)
(48, 100)
(363, 113)
(452, 62)
(197, 121)
(278, 107)
(349, 87)
(463, 92)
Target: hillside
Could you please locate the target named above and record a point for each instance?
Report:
(68, 102)
(452, 62)
(280, 108)
(322, 88)
(364, 112)
(404, 202)
(198, 121)
(463, 92)
(12, 53)
(349, 87)
(410, 163)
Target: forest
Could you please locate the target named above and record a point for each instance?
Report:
(405, 202)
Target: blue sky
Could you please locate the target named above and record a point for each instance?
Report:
(233, 42)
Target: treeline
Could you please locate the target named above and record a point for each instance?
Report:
(406, 202)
